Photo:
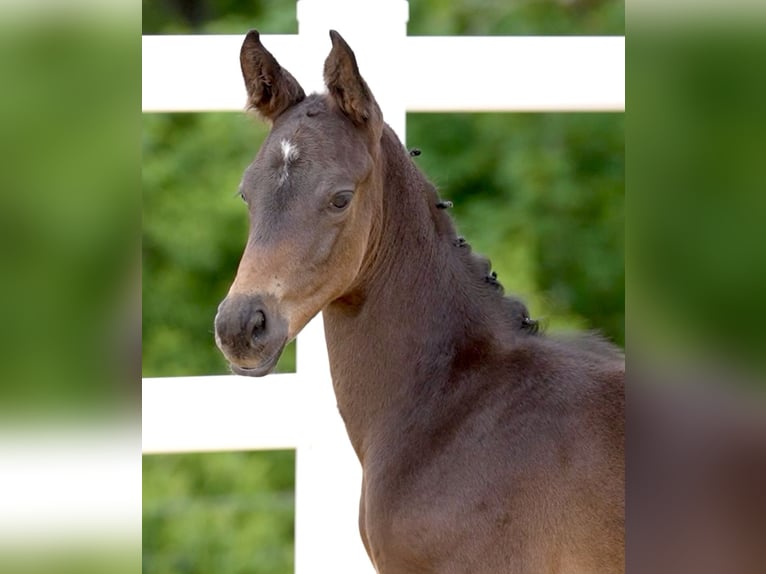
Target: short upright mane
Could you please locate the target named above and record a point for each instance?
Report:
(472, 266)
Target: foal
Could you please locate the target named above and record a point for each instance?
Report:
(485, 447)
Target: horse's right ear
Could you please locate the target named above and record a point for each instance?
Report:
(270, 88)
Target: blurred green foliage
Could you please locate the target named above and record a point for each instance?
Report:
(221, 512)
(541, 194)
(68, 213)
(698, 275)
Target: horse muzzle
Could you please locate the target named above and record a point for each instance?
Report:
(251, 333)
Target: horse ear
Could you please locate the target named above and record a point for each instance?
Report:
(346, 85)
(270, 88)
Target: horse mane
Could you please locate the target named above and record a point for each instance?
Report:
(480, 267)
(476, 267)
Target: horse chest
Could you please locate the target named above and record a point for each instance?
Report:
(449, 530)
(429, 520)
(472, 510)
(399, 534)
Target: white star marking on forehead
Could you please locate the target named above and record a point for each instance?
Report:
(289, 151)
(289, 155)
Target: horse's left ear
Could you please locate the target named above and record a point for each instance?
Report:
(347, 87)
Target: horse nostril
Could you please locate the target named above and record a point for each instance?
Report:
(259, 324)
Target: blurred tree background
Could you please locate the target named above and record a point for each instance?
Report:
(541, 194)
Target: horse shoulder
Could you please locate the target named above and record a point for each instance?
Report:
(518, 475)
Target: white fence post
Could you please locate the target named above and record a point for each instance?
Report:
(327, 472)
(328, 475)
(376, 30)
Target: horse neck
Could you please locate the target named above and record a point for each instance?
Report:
(392, 341)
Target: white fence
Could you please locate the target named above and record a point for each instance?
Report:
(416, 74)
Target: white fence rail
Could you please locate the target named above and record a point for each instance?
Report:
(205, 414)
(450, 74)
(201, 73)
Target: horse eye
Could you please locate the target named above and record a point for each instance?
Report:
(341, 199)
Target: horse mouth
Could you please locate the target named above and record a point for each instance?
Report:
(263, 369)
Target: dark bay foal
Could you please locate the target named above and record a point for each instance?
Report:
(485, 446)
